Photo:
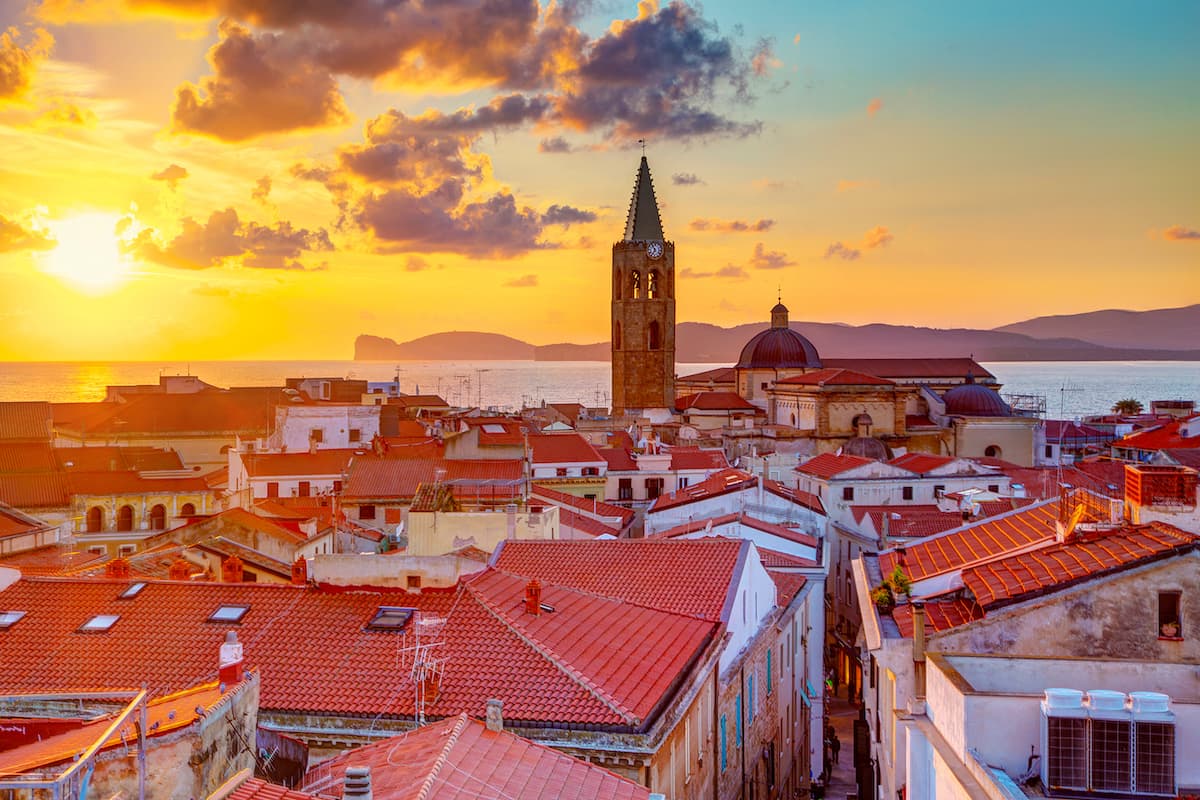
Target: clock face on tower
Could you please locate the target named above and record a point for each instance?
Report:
(654, 249)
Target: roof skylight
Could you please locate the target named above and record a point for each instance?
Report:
(10, 618)
(231, 614)
(132, 590)
(390, 618)
(492, 427)
(99, 623)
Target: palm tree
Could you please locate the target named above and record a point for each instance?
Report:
(1129, 406)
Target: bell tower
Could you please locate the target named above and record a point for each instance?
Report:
(643, 307)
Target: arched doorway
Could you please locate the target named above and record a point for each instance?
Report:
(95, 519)
(158, 518)
(125, 518)
(993, 451)
(187, 510)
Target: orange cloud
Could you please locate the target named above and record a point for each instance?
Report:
(18, 61)
(731, 225)
(1178, 233)
(874, 106)
(843, 251)
(850, 186)
(523, 282)
(14, 236)
(879, 236)
(171, 175)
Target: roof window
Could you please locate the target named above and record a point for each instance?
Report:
(100, 623)
(232, 614)
(132, 591)
(493, 428)
(390, 618)
(10, 618)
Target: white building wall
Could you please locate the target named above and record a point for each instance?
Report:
(294, 425)
(754, 600)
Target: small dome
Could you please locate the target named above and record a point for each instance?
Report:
(779, 348)
(867, 447)
(779, 308)
(975, 400)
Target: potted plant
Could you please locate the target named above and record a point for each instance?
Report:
(1170, 630)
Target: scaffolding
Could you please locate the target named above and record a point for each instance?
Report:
(1027, 405)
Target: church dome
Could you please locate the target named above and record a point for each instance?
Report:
(779, 347)
(974, 400)
(867, 447)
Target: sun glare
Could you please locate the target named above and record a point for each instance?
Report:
(88, 254)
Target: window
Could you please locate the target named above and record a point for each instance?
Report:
(366, 512)
(652, 284)
(768, 672)
(1170, 626)
(10, 618)
(187, 510)
(684, 481)
(591, 496)
(99, 623)
(994, 488)
(653, 487)
(847, 492)
(316, 435)
(413, 581)
(273, 489)
(636, 292)
(304, 489)
(390, 618)
(337, 487)
(625, 489)
(1049, 451)
(158, 518)
(125, 518)
(560, 472)
(133, 590)
(907, 493)
(355, 435)
(229, 614)
(591, 472)
(939, 490)
(724, 745)
(95, 519)
(764, 386)
(126, 550)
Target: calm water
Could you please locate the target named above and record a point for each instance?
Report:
(1070, 388)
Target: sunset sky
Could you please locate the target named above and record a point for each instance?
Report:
(243, 179)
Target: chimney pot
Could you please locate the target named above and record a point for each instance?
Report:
(495, 715)
(230, 660)
(357, 784)
(533, 597)
(300, 571)
(232, 570)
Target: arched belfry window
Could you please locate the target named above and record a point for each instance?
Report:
(652, 284)
(125, 518)
(636, 292)
(95, 519)
(655, 335)
(617, 336)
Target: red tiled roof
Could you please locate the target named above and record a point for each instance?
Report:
(913, 367)
(1161, 437)
(994, 508)
(718, 375)
(569, 666)
(1058, 430)
(110, 483)
(163, 715)
(835, 377)
(586, 525)
(695, 525)
(569, 410)
(418, 401)
(774, 559)
(909, 522)
(112, 458)
(687, 458)
(454, 758)
(920, 463)
(397, 479)
(714, 401)
(35, 490)
(787, 585)
(14, 522)
(248, 410)
(723, 482)
(802, 498)
(562, 448)
(619, 459)
(1005, 580)
(53, 559)
(322, 462)
(256, 789)
(26, 457)
(225, 522)
(29, 421)
(986, 540)
(701, 570)
(828, 465)
(940, 615)
(592, 507)
(1186, 458)
(1043, 482)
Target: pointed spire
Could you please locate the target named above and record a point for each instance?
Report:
(643, 222)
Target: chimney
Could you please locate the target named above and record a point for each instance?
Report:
(495, 715)
(884, 530)
(300, 571)
(117, 568)
(533, 597)
(180, 570)
(918, 616)
(231, 660)
(232, 570)
(358, 784)
(510, 521)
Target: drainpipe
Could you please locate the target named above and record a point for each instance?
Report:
(742, 722)
(918, 649)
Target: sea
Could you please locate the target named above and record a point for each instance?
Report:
(1070, 389)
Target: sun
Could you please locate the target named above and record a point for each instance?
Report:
(88, 254)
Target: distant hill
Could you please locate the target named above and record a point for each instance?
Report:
(699, 342)
(1161, 329)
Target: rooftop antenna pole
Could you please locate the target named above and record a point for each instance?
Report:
(642, 142)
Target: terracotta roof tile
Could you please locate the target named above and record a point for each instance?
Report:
(909, 522)
(26, 457)
(582, 504)
(787, 585)
(28, 421)
(797, 496)
(632, 570)
(723, 482)
(913, 367)
(52, 560)
(940, 615)
(827, 465)
(113, 458)
(256, 789)
(714, 401)
(920, 463)
(835, 377)
(322, 462)
(742, 519)
(619, 459)
(1162, 437)
(452, 758)
(247, 410)
(110, 483)
(718, 375)
(373, 478)
(35, 490)
(986, 540)
(563, 448)
(692, 458)
(1008, 579)
(570, 666)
